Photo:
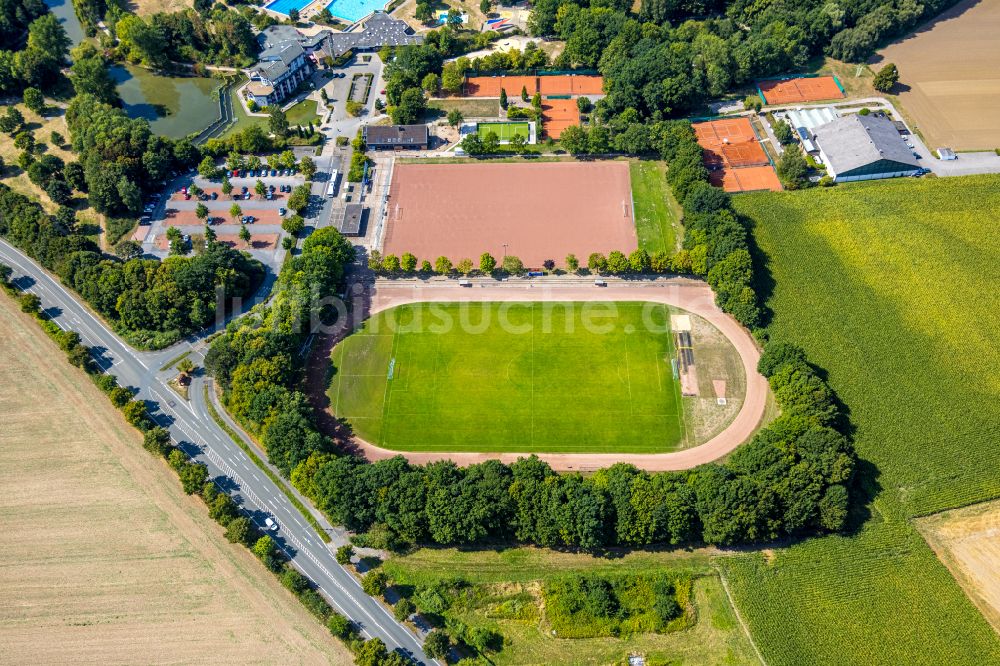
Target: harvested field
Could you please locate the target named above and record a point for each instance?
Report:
(967, 541)
(533, 211)
(489, 86)
(948, 76)
(105, 560)
(796, 90)
(557, 115)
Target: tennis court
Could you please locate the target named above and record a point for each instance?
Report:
(557, 115)
(534, 211)
(563, 84)
(504, 131)
(745, 179)
(802, 89)
(736, 160)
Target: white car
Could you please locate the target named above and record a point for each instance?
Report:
(271, 525)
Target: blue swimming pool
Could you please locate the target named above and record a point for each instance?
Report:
(353, 10)
(284, 6)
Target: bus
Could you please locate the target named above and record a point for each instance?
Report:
(331, 189)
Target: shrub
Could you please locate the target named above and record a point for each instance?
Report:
(193, 477)
(777, 354)
(403, 609)
(157, 441)
(437, 644)
(345, 553)
(240, 530)
(339, 625)
(512, 265)
(315, 604)
(375, 583)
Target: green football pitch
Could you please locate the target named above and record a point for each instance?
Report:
(504, 131)
(519, 377)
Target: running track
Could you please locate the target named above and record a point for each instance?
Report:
(691, 295)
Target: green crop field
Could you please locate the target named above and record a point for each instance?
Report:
(891, 288)
(504, 131)
(657, 213)
(522, 377)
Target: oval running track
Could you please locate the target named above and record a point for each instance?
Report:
(691, 295)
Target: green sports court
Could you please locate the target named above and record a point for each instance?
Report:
(511, 377)
(504, 131)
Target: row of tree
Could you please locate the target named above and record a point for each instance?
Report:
(790, 479)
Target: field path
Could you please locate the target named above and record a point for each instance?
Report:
(691, 295)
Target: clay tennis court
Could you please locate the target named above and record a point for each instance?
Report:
(571, 84)
(538, 211)
(811, 89)
(745, 179)
(557, 115)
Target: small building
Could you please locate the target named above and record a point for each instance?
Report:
(947, 154)
(859, 147)
(397, 137)
(354, 214)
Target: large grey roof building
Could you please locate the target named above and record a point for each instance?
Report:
(864, 148)
(371, 34)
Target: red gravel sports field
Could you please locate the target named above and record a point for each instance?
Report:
(540, 211)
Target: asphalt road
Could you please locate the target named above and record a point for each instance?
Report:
(193, 429)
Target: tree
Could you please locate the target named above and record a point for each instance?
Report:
(156, 441)
(597, 263)
(574, 139)
(240, 530)
(201, 211)
(390, 264)
(267, 552)
(431, 83)
(308, 167)
(403, 609)
(408, 262)
(195, 191)
(339, 625)
(235, 212)
(464, 266)
(442, 265)
(34, 100)
(424, 12)
(299, 198)
(503, 99)
(639, 261)
(294, 225)
(374, 583)
(227, 187)
(487, 264)
(277, 122)
(260, 188)
(30, 303)
(293, 15)
(11, 121)
(783, 132)
(344, 554)
(245, 235)
(886, 78)
(518, 143)
(512, 265)
(752, 103)
(90, 76)
(617, 262)
(128, 249)
(193, 477)
(491, 143)
(425, 267)
(185, 367)
(485, 7)
(455, 117)
(536, 101)
(792, 169)
(572, 263)
(210, 235)
(411, 107)
(583, 104)
(372, 652)
(437, 644)
(524, 94)
(207, 168)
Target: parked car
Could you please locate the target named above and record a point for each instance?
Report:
(244, 189)
(271, 525)
(274, 172)
(215, 195)
(272, 188)
(246, 195)
(281, 212)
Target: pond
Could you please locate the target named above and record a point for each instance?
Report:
(63, 10)
(174, 106)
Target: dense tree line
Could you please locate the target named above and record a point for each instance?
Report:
(152, 303)
(790, 479)
(34, 61)
(121, 156)
(257, 361)
(219, 36)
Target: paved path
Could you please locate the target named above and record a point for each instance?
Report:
(691, 295)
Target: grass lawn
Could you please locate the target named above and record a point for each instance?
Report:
(303, 113)
(470, 107)
(505, 131)
(513, 379)
(657, 213)
(505, 594)
(890, 287)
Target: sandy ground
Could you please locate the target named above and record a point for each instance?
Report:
(691, 295)
(105, 560)
(149, 7)
(949, 76)
(533, 211)
(967, 541)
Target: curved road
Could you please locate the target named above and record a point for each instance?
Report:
(691, 295)
(194, 430)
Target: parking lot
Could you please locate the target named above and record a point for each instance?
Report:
(262, 215)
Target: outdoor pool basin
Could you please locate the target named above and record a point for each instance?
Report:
(354, 10)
